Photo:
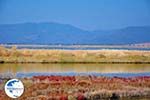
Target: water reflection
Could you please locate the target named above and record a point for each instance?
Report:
(77, 68)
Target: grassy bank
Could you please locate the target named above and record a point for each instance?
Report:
(14, 55)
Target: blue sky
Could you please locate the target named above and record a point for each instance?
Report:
(85, 14)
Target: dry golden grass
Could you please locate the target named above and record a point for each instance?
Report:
(72, 56)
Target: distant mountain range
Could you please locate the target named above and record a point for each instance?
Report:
(56, 33)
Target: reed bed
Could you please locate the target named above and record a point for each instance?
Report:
(15, 55)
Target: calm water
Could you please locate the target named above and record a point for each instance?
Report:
(123, 70)
(78, 47)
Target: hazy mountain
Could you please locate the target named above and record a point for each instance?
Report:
(55, 33)
(129, 35)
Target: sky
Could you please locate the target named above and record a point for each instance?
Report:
(85, 14)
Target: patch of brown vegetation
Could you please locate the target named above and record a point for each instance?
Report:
(14, 55)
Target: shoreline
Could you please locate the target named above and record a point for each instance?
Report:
(2, 62)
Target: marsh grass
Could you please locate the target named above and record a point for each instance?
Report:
(14, 55)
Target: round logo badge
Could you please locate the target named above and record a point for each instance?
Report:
(14, 88)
